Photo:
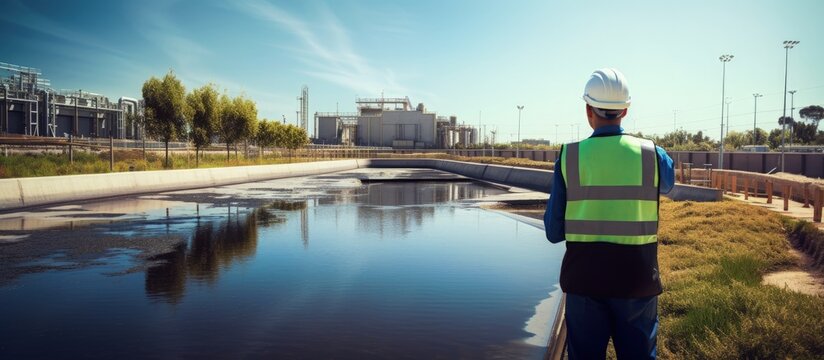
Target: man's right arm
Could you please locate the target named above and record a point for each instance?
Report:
(556, 207)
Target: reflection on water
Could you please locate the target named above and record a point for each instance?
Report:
(386, 270)
(214, 246)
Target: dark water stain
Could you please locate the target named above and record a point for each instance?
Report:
(386, 270)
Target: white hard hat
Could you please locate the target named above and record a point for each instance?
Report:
(607, 89)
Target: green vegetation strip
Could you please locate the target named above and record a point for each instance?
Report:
(712, 259)
(30, 165)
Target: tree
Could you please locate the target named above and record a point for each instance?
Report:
(237, 120)
(813, 113)
(205, 110)
(294, 137)
(805, 133)
(774, 138)
(267, 134)
(786, 120)
(760, 136)
(165, 109)
(736, 139)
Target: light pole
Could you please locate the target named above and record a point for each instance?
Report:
(789, 44)
(724, 60)
(674, 121)
(754, 117)
(728, 102)
(556, 134)
(518, 148)
(792, 111)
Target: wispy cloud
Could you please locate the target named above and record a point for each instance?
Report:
(158, 27)
(327, 50)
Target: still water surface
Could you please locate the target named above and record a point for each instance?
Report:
(385, 270)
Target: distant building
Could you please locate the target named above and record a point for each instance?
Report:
(29, 106)
(535, 142)
(392, 122)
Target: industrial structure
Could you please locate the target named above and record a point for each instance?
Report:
(303, 110)
(31, 107)
(392, 122)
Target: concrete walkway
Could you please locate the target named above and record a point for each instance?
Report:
(794, 209)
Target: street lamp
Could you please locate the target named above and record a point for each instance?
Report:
(789, 44)
(792, 110)
(728, 102)
(754, 113)
(556, 134)
(518, 148)
(724, 60)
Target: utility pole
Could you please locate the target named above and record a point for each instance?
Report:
(724, 60)
(518, 148)
(674, 122)
(792, 111)
(754, 118)
(728, 102)
(789, 44)
(556, 134)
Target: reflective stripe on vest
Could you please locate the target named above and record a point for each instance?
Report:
(617, 208)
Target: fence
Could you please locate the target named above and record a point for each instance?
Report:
(755, 184)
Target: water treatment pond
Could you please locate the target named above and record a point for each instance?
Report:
(308, 268)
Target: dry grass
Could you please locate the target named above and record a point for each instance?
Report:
(712, 258)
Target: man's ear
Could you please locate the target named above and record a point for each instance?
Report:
(589, 111)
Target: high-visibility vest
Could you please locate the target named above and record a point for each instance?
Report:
(612, 190)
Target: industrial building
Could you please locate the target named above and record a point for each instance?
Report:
(31, 107)
(392, 122)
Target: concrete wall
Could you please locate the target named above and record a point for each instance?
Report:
(807, 164)
(37, 191)
(532, 179)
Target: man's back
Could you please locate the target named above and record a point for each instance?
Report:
(611, 216)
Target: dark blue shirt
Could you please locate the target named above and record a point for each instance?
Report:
(556, 205)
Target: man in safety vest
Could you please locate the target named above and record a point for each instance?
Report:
(604, 203)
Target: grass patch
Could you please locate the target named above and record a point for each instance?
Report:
(46, 164)
(712, 258)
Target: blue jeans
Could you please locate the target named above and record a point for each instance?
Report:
(632, 324)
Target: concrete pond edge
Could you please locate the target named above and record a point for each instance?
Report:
(19, 193)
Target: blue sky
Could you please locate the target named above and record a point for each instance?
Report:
(458, 57)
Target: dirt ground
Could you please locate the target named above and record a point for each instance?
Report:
(803, 279)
